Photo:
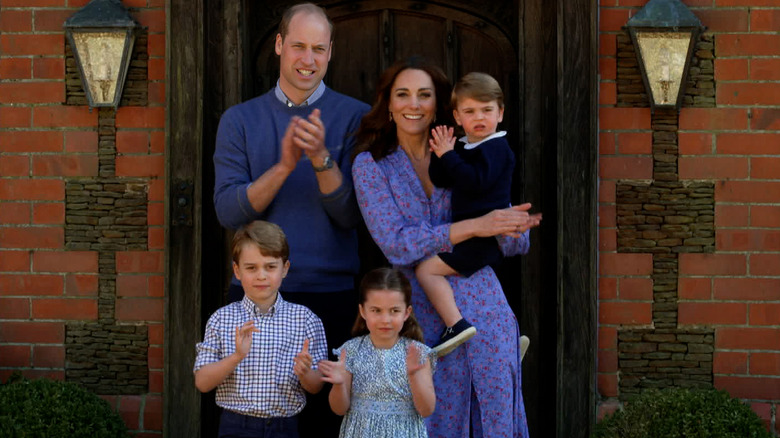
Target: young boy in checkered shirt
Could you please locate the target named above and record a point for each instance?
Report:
(261, 353)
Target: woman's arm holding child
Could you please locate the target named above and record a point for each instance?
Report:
(311, 379)
(420, 382)
(337, 374)
(211, 375)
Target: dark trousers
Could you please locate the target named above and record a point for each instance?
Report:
(337, 310)
(235, 425)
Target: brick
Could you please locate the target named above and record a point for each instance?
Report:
(713, 119)
(48, 213)
(15, 21)
(765, 167)
(607, 143)
(156, 238)
(635, 143)
(49, 68)
(140, 117)
(748, 191)
(747, 3)
(764, 314)
(748, 93)
(625, 264)
(724, 20)
(608, 68)
(699, 313)
(765, 69)
(16, 356)
(14, 212)
(765, 264)
(156, 45)
(65, 165)
(608, 240)
(607, 288)
(612, 20)
(33, 374)
(607, 361)
(749, 387)
(635, 289)
(15, 68)
(140, 309)
(763, 119)
(156, 93)
(607, 384)
(48, 356)
(157, 142)
(747, 45)
(157, 190)
(765, 20)
(712, 264)
(30, 284)
(32, 332)
(747, 338)
(748, 289)
(33, 237)
(14, 117)
(713, 167)
(141, 262)
(624, 118)
(31, 141)
(765, 364)
(731, 69)
(153, 412)
(694, 288)
(132, 286)
(607, 215)
(157, 286)
(155, 333)
(51, 20)
(81, 285)
(695, 143)
(156, 213)
(14, 261)
(14, 308)
(607, 45)
(732, 215)
(625, 313)
(65, 261)
(729, 362)
(155, 355)
(31, 44)
(154, 19)
(748, 143)
(130, 410)
(81, 141)
(129, 142)
(156, 69)
(14, 165)
(32, 3)
(748, 240)
(630, 167)
(65, 308)
(64, 116)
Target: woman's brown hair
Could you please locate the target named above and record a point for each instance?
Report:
(377, 132)
(394, 280)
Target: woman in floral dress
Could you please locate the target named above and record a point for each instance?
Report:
(478, 386)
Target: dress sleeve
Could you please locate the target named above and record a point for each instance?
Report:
(512, 246)
(405, 239)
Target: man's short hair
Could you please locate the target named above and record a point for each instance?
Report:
(307, 8)
(478, 86)
(267, 236)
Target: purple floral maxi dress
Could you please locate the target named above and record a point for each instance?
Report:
(479, 382)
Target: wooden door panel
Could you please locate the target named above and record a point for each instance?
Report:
(357, 56)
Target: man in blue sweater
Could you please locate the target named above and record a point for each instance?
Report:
(285, 157)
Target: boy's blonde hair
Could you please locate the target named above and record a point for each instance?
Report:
(267, 236)
(478, 86)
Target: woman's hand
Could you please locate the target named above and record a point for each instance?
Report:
(512, 221)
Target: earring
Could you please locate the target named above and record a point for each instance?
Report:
(391, 116)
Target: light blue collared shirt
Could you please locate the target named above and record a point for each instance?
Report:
(313, 98)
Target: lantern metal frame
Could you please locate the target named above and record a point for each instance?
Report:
(94, 21)
(661, 19)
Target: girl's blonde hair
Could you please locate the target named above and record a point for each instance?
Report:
(394, 280)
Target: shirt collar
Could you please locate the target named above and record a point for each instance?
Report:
(468, 145)
(310, 101)
(253, 310)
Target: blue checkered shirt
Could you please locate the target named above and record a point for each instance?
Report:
(263, 384)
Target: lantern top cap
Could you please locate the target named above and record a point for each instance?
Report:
(101, 13)
(664, 14)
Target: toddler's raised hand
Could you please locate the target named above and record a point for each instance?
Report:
(335, 372)
(244, 338)
(303, 361)
(413, 360)
(442, 140)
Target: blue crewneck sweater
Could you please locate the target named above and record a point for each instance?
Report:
(320, 228)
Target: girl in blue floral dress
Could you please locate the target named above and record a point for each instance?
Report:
(383, 380)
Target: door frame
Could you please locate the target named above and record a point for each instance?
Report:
(558, 83)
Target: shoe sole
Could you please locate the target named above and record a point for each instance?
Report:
(447, 347)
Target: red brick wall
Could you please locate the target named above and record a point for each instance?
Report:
(736, 145)
(43, 142)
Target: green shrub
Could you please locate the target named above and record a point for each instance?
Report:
(683, 413)
(53, 409)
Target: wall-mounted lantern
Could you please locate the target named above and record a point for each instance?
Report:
(664, 34)
(101, 35)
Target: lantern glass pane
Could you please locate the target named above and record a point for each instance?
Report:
(664, 55)
(101, 60)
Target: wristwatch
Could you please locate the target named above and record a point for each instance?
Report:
(327, 163)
